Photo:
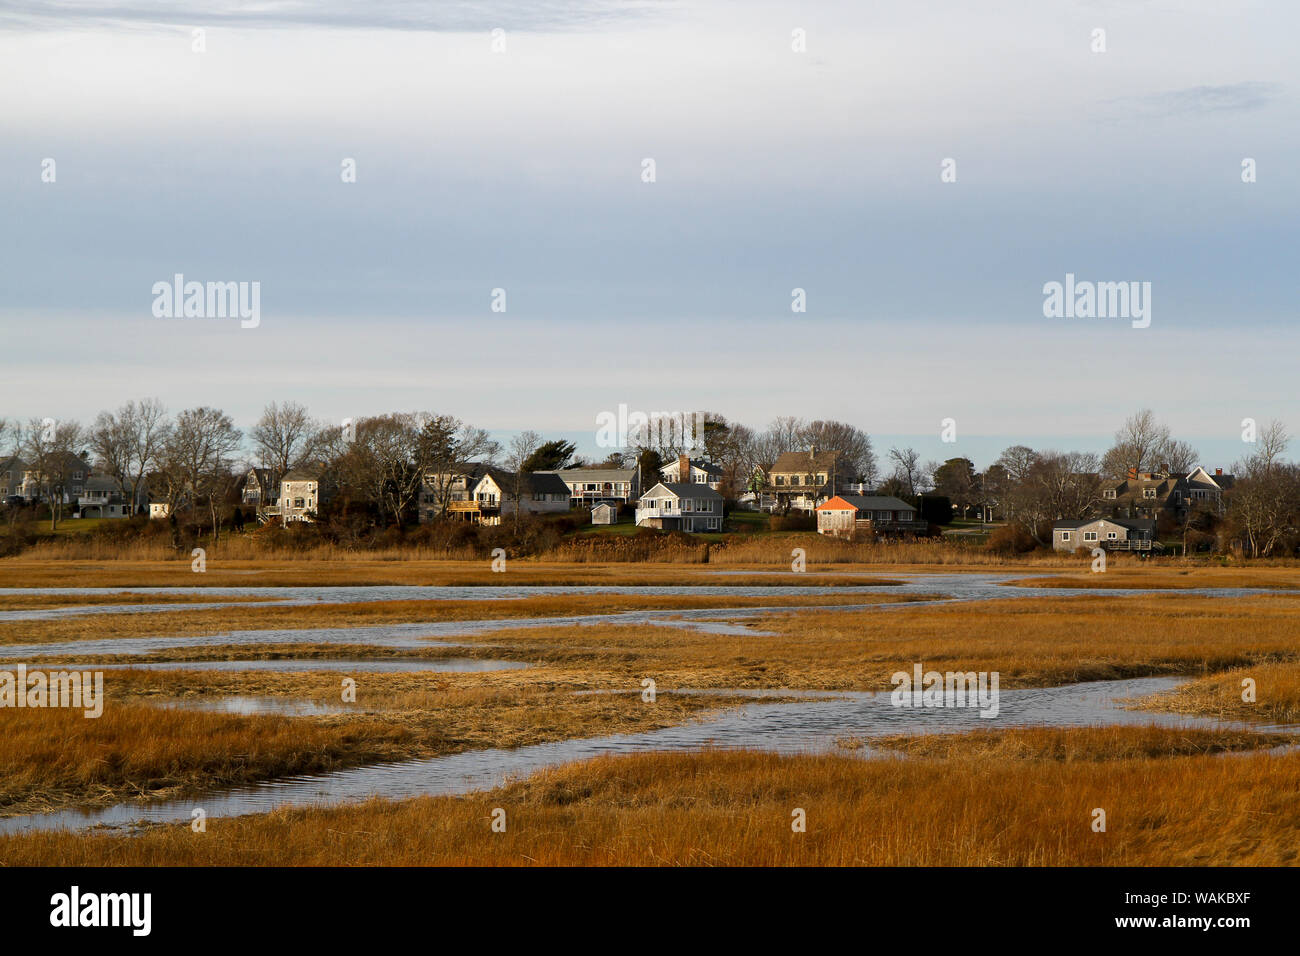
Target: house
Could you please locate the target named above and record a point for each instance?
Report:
(300, 496)
(1162, 492)
(701, 472)
(587, 486)
(673, 506)
(880, 514)
(439, 489)
(804, 479)
(261, 488)
(1112, 534)
(541, 492)
(68, 476)
(605, 513)
(102, 498)
(12, 471)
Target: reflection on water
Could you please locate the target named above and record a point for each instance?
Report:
(405, 636)
(361, 664)
(810, 725)
(249, 706)
(413, 635)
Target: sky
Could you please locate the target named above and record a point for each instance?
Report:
(515, 161)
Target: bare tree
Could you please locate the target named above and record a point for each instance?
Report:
(908, 470)
(447, 447)
(286, 436)
(847, 440)
(53, 451)
(785, 433)
(1265, 503)
(127, 444)
(1179, 456)
(1144, 444)
(11, 437)
(1059, 485)
(1272, 444)
(199, 452)
(522, 447)
(384, 461)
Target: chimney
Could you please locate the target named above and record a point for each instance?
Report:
(684, 468)
(812, 452)
(1133, 473)
(1218, 471)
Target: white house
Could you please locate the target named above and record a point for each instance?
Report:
(880, 514)
(445, 491)
(1112, 534)
(587, 486)
(680, 507)
(701, 472)
(101, 498)
(299, 496)
(541, 492)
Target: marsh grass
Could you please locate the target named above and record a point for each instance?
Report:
(735, 809)
(368, 613)
(1277, 695)
(57, 758)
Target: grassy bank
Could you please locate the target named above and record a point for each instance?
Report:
(950, 809)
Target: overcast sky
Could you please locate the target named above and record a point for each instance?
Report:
(775, 170)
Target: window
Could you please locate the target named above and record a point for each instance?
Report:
(1090, 536)
(1108, 493)
(1111, 535)
(1065, 536)
(688, 504)
(1148, 492)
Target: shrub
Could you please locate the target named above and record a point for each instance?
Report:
(1011, 539)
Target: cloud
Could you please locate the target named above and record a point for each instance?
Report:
(450, 16)
(1200, 100)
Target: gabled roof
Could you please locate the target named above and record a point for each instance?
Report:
(301, 474)
(1132, 524)
(685, 489)
(803, 462)
(101, 483)
(700, 463)
(537, 482)
(865, 503)
(593, 474)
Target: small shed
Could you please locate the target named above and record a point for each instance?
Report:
(604, 513)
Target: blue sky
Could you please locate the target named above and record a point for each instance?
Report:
(522, 170)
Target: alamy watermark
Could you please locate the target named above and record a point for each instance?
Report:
(179, 299)
(946, 689)
(625, 429)
(1098, 300)
(78, 690)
